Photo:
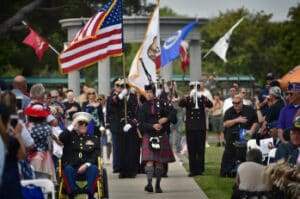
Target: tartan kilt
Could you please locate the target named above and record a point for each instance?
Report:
(164, 155)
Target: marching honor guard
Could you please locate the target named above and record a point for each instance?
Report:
(195, 123)
(129, 140)
(154, 117)
(114, 113)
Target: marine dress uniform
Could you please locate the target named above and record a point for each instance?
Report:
(195, 124)
(80, 149)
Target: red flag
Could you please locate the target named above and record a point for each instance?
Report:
(185, 60)
(101, 37)
(38, 43)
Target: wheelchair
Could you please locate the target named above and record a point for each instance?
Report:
(101, 187)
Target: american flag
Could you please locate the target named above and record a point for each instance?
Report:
(101, 37)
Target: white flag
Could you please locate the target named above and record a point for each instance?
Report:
(220, 48)
(143, 67)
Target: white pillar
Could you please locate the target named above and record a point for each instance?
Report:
(73, 77)
(195, 60)
(74, 82)
(104, 76)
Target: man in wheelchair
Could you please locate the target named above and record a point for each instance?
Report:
(80, 154)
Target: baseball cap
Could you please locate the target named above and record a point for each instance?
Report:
(275, 91)
(270, 76)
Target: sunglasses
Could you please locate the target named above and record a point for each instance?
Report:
(236, 102)
(82, 123)
(93, 93)
(119, 85)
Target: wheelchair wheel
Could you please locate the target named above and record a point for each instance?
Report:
(104, 184)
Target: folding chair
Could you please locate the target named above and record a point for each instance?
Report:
(251, 144)
(46, 185)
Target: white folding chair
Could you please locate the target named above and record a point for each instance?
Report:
(251, 144)
(271, 154)
(46, 185)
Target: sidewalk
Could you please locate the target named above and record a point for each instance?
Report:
(176, 186)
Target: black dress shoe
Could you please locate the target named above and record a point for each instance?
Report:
(149, 188)
(131, 175)
(116, 171)
(195, 174)
(192, 174)
(158, 190)
(122, 176)
(164, 175)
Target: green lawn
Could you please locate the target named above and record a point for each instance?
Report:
(212, 185)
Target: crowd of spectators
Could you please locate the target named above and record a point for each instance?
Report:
(32, 122)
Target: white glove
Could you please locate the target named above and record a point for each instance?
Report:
(127, 127)
(199, 94)
(123, 93)
(108, 135)
(102, 129)
(193, 92)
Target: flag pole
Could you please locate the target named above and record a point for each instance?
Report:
(50, 46)
(125, 81)
(207, 54)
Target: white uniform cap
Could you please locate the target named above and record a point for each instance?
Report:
(82, 116)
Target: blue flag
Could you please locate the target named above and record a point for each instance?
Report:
(170, 49)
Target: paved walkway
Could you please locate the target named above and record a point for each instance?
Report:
(176, 186)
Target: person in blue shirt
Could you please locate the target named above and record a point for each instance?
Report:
(291, 150)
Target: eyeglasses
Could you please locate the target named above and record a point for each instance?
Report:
(93, 93)
(54, 97)
(100, 99)
(290, 94)
(82, 123)
(236, 102)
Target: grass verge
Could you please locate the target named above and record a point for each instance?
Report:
(212, 185)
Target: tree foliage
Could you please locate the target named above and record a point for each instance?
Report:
(257, 45)
(43, 16)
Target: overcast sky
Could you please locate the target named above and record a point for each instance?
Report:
(211, 8)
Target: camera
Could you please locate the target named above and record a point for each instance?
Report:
(19, 101)
(14, 120)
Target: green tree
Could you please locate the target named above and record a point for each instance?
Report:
(43, 17)
(256, 47)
